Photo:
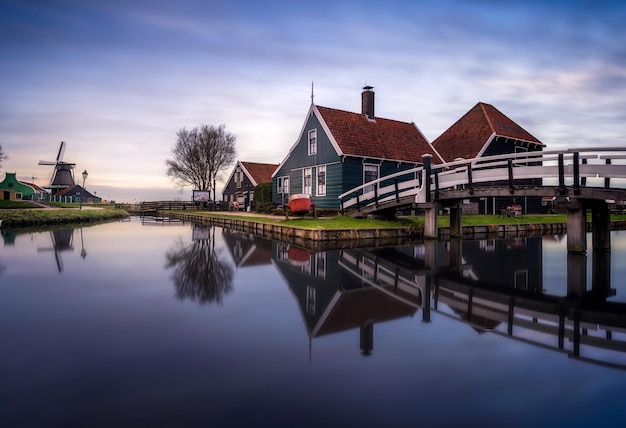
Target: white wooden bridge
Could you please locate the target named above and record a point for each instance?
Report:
(588, 178)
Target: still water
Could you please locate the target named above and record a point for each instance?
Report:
(131, 324)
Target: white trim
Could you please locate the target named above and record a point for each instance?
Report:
(311, 135)
(317, 177)
(312, 110)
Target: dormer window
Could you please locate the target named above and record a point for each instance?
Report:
(312, 142)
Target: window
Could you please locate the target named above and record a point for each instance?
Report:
(238, 178)
(311, 297)
(312, 142)
(283, 184)
(321, 180)
(370, 173)
(306, 181)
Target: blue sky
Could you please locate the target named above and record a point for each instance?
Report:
(117, 79)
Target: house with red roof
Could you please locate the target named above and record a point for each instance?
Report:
(338, 150)
(239, 188)
(486, 131)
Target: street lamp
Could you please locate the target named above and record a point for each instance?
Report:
(83, 191)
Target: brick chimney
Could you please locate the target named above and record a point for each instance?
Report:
(367, 102)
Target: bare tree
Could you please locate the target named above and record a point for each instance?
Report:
(200, 155)
(3, 155)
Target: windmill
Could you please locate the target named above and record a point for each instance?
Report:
(62, 176)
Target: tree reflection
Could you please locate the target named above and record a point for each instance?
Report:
(199, 273)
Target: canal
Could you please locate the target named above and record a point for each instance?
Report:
(171, 324)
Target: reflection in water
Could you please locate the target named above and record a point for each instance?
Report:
(199, 272)
(490, 285)
(62, 240)
(331, 298)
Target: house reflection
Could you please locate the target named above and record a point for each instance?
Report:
(333, 298)
(489, 285)
(247, 250)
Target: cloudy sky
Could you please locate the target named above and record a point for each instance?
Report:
(117, 79)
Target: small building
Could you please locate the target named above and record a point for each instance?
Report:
(485, 131)
(239, 188)
(13, 189)
(338, 150)
(74, 194)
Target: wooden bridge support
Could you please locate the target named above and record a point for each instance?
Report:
(456, 230)
(576, 274)
(600, 225)
(576, 227)
(431, 231)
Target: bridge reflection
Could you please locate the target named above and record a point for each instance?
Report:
(494, 286)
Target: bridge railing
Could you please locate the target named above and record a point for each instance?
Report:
(599, 167)
(394, 186)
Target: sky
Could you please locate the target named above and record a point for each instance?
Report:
(117, 79)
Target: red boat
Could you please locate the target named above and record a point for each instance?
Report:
(299, 204)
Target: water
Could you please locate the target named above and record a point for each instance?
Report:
(130, 324)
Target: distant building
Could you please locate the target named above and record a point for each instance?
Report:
(13, 189)
(239, 188)
(75, 193)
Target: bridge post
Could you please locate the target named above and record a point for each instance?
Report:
(600, 225)
(456, 214)
(576, 274)
(426, 161)
(576, 227)
(431, 231)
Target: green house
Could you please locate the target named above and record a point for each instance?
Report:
(339, 150)
(11, 185)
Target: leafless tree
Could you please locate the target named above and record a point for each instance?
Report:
(3, 155)
(199, 272)
(200, 154)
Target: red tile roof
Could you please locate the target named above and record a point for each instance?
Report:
(467, 137)
(260, 172)
(356, 135)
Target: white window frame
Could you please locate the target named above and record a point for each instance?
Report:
(321, 186)
(370, 165)
(311, 299)
(312, 142)
(283, 184)
(307, 185)
(238, 178)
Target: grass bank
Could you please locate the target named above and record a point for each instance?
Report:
(12, 218)
(345, 222)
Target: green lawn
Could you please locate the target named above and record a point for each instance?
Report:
(345, 222)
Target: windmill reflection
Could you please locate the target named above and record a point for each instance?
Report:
(199, 273)
(62, 240)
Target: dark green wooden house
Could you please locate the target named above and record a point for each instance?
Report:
(338, 150)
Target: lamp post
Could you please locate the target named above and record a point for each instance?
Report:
(83, 191)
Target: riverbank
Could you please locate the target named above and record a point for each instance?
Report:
(322, 238)
(18, 218)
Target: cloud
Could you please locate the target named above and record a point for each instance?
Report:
(117, 80)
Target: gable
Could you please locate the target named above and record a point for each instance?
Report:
(258, 172)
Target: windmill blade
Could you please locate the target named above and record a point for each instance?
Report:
(61, 152)
(47, 163)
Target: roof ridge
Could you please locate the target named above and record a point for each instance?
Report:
(362, 114)
(487, 117)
